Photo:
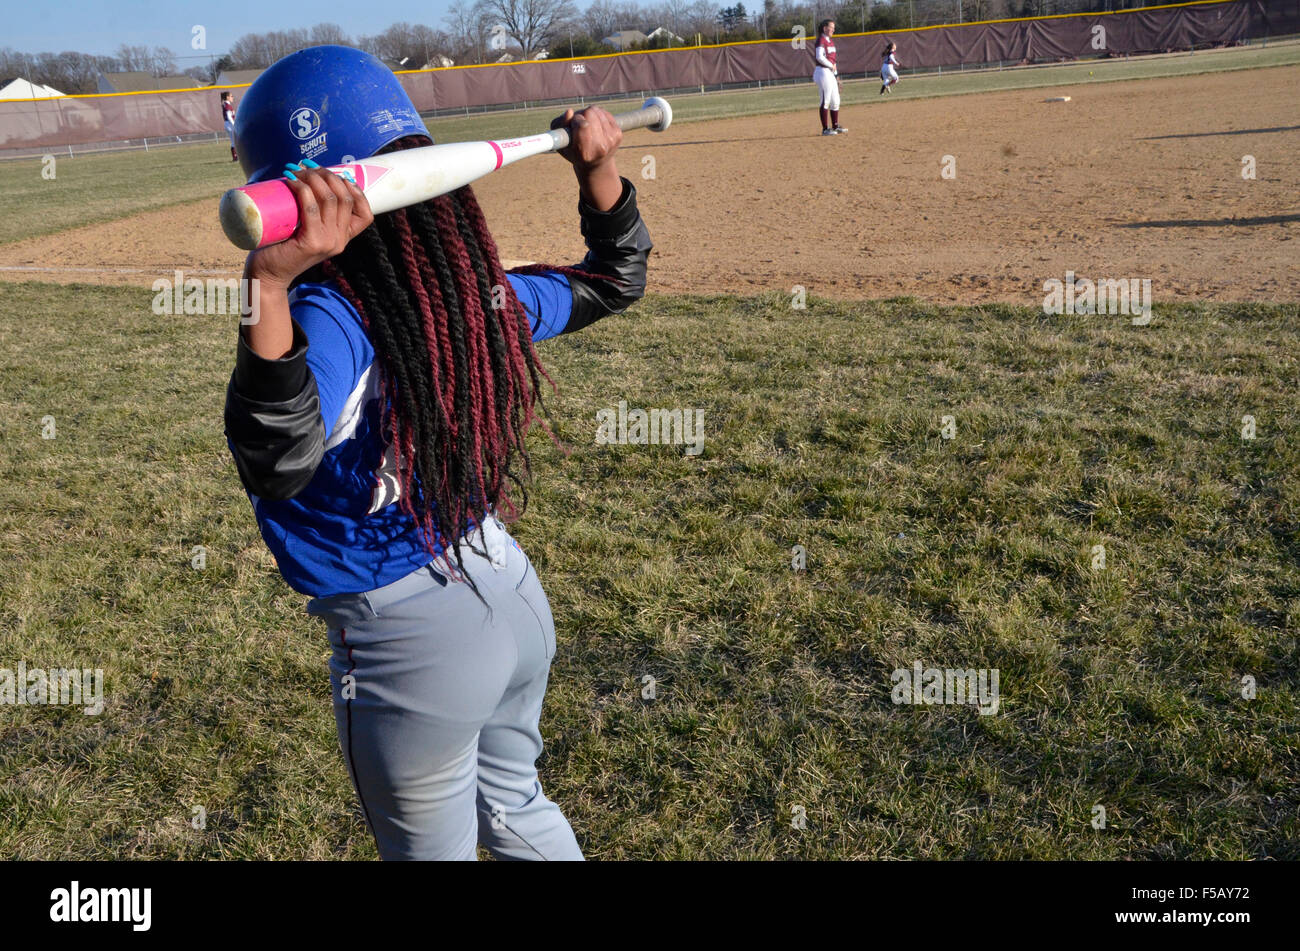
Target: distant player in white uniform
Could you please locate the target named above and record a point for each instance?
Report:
(228, 120)
(827, 77)
(888, 74)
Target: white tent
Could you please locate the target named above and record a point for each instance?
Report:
(22, 89)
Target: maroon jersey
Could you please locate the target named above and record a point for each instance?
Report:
(827, 46)
(227, 111)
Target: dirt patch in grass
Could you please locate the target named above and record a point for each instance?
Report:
(1135, 179)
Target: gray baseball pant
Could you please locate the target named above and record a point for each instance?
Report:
(437, 698)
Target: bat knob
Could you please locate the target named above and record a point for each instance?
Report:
(665, 112)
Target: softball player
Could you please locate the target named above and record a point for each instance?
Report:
(888, 74)
(377, 415)
(228, 120)
(827, 77)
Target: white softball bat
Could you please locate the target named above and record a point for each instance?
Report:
(254, 216)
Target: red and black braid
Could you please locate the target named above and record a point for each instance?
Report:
(461, 380)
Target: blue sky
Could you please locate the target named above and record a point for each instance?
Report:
(100, 26)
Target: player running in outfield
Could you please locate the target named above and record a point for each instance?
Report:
(827, 77)
(377, 414)
(888, 70)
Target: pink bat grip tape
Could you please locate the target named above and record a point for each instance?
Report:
(277, 208)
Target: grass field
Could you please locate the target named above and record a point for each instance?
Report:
(1119, 687)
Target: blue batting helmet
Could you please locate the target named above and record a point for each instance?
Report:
(330, 104)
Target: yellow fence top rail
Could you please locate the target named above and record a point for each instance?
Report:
(671, 49)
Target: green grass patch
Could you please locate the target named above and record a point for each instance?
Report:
(90, 188)
(1119, 687)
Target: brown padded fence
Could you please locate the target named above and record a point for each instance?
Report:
(77, 120)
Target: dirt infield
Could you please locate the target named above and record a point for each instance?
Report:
(1127, 180)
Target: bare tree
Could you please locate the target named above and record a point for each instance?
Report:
(600, 19)
(431, 43)
(468, 24)
(158, 60)
(282, 43)
(675, 13)
(459, 20)
(533, 24)
(14, 64)
(162, 61)
(413, 42)
(328, 34)
(259, 50)
(604, 17)
(79, 72)
(701, 18)
(68, 72)
(249, 52)
(632, 16)
(132, 59)
(49, 69)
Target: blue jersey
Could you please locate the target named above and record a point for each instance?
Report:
(345, 533)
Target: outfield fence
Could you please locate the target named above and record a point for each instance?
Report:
(128, 120)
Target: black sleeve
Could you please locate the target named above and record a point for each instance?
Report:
(273, 421)
(618, 245)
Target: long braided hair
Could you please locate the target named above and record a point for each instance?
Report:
(460, 379)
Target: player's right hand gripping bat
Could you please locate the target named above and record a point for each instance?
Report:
(254, 216)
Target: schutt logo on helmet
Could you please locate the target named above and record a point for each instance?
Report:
(304, 123)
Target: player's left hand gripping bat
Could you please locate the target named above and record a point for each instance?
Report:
(254, 216)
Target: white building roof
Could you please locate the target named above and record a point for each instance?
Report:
(23, 89)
